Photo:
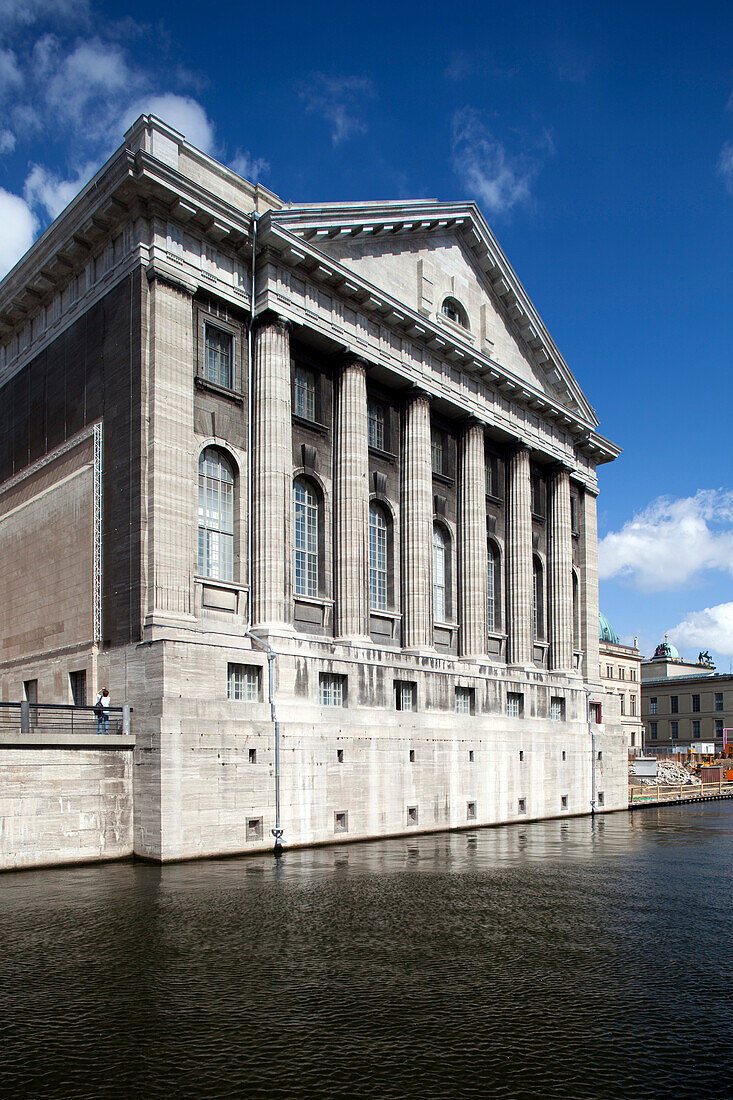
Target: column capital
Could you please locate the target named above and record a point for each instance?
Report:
(468, 422)
(272, 320)
(560, 467)
(416, 393)
(518, 446)
(353, 362)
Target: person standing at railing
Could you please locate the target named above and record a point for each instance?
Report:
(101, 709)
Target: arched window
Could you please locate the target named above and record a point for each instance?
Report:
(538, 601)
(378, 531)
(216, 515)
(493, 588)
(305, 538)
(440, 573)
(454, 311)
(576, 613)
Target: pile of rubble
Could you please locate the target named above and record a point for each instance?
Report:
(672, 773)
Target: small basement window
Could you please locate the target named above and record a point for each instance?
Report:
(412, 756)
(564, 802)
(470, 811)
(253, 756)
(412, 815)
(254, 828)
(471, 756)
(339, 756)
(341, 821)
(522, 806)
(601, 798)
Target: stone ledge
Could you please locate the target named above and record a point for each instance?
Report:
(14, 739)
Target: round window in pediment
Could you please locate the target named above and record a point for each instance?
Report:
(454, 311)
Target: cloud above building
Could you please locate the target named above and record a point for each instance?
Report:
(498, 179)
(711, 628)
(671, 542)
(340, 101)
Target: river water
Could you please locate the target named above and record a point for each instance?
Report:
(582, 958)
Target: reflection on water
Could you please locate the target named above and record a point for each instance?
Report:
(578, 959)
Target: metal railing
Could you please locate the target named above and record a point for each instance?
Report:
(54, 718)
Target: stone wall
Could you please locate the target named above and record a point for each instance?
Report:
(63, 799)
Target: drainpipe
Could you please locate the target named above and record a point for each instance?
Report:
(277, 832)
(592, 733)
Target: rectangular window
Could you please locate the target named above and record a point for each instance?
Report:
(437, 452)
(557, 709)
(522, 806)
(718, 727)
(78, 682)
(304, 396)
(718, 700)
(609, 672)
(471, 756)
(30, 691)
(653, 705)
(674, 704)
(376, 426)
(341, 821)
(252, 756)
(492, 476)
(521, 756)
(573, 514)
(621, 672)
(331, 690)
(339, 756)
(653, 730)
(623, 704)
(412, 756)
(254, 828)
(564, 801)
(695, 704)
(514, 702)
(243, 683)
(632, 673)
(601, 798)
(412, 816)
(674, 730)
(470, 811)
(405, 695)
(538, 496)
(596, 714)
(632, 703)
(218, 357)
(696, 730)
(464, 700)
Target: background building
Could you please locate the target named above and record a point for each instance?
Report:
(684, 703)
(620, 668)
(370, 606)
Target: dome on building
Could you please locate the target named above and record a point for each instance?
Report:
(606, 633)
(667, 651)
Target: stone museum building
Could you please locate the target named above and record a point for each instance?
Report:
(686, 705)
(312, 488)
(620, 667)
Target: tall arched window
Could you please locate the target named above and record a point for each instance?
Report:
(440, 573)
(216, 515)
(305, 539)
(377, 558)
(576, 613)
(538, 601)
(493, 588)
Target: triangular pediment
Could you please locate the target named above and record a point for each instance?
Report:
(421, 254)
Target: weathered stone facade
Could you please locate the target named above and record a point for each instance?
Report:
(382, 614)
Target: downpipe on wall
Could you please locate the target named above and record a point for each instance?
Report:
(277, 832)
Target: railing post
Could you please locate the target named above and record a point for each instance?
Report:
(25, 717)
(126, 719)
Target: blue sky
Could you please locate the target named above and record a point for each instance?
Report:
(597, 138)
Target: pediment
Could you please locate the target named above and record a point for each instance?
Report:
(445, 254)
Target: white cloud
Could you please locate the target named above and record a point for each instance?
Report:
(711, 628)
(88, 85)
(19, 227)
(338, 99)
(669, 542)
(498, 180)
(249, 167)
(22, 13)
(7, 141)
(725, 164)
(182, 113)
(50, 192)
(11, 77)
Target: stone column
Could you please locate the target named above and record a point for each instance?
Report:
(589, 585)
(472, 583)
(272, 469)
(417, 524)
(352, 504)
(519, 558)
(561, 573)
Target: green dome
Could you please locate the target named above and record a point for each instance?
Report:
(667, 650)
(606, 633)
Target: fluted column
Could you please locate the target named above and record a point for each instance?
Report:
(417, 524)
(589, 585)
(472, 541)
(561, 577)
(352, 504)
(519, 558)
(272, 475)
